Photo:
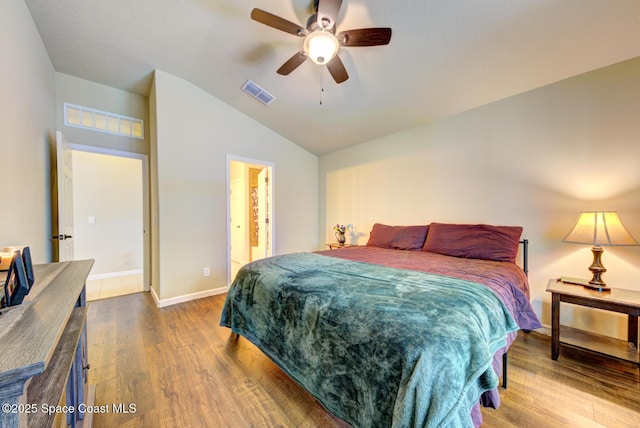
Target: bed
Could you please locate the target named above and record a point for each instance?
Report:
(409, 330)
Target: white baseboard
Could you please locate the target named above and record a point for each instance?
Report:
(187, 297)
(545, 329)
(114, 274)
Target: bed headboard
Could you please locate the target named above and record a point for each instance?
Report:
(525, 256)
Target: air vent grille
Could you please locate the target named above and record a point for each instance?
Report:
(258, 92)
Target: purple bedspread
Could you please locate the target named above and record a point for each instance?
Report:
(507, 280)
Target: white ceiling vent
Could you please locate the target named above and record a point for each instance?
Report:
(257, 92)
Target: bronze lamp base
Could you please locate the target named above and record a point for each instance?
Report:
(597, 268)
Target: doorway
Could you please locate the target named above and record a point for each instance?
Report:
(250, 212)
(110, 212)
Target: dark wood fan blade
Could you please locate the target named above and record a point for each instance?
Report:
(337, 70)
(292, 63)
(328, 12)
(365, 37)
(276, 22)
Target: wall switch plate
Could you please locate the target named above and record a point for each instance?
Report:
(206, 272)
(92, 220)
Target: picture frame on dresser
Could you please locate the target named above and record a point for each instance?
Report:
(16, 286)
(28, 266)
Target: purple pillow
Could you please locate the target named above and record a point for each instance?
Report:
(474, 241)
(397, 237)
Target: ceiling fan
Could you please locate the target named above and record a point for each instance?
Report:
(321, 43)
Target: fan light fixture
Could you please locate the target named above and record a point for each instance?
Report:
(321, 46)
(321, 43)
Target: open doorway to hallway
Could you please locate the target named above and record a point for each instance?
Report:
(109, 221)
(250, 212)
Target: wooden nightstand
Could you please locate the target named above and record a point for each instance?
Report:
(616, 300)
(334, 245)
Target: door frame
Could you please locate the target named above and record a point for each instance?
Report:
(63, 241)
(146, 211)
(271, 201)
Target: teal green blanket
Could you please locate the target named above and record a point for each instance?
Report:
(377, 346)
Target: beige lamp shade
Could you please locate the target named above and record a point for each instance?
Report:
(599, 228)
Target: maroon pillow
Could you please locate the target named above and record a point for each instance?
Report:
(397, 237)
(474, 241)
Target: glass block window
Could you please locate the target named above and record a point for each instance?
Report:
(102, 121)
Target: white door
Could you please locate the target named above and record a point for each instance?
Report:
(65, 199)
(242, 252)
(238, 243)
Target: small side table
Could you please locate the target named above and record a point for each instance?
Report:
(335, 245)
(616, 300)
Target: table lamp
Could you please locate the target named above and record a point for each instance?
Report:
(599, 228)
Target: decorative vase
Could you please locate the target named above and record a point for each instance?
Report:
(340, 237)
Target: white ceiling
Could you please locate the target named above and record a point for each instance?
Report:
(445, 56)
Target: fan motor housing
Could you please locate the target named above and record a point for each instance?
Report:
(312, 25)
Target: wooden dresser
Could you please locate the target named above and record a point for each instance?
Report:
(43, 350)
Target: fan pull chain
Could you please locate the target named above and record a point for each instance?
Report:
(321, 95)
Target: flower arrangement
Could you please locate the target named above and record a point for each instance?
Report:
(341, 228)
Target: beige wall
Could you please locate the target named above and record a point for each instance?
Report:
(27, 121)
(533, 160)
(74, 90)
(153, 193)
(195, 133)
(109, 190)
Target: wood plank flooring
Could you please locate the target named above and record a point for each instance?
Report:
(177, 367)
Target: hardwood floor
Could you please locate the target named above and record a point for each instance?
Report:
(178, 367)
(103, 288)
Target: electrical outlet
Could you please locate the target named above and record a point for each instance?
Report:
(206, 272)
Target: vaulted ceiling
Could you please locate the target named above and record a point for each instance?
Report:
(445, 56)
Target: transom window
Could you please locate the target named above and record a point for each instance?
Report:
(102, 121)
